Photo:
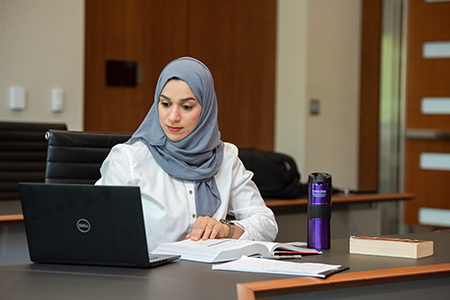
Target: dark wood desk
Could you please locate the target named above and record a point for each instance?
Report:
(369, 277)
(341, 198)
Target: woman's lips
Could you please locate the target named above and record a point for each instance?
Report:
(174, 129)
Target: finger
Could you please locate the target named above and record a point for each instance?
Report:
(207, 232)
(219, 230)
(198, 229)
(216, 231)
(196, 234)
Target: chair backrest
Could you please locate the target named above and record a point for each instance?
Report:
(23, 153)
(76, 156)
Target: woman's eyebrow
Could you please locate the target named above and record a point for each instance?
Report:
(165, 97)
(185, 99)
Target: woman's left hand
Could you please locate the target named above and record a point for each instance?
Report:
(208, 228)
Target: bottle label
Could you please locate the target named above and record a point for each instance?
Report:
(319, 193)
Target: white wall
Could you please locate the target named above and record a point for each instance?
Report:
(42, 47)
(291, 78)
(318, 57)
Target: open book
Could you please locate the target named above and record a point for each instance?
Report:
(220, 250)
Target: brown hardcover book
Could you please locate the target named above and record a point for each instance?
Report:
(394, 247)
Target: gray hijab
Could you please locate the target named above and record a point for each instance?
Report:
(199, 155)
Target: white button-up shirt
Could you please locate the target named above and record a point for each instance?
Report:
(169, 203)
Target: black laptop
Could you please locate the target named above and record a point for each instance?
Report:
(86, 224)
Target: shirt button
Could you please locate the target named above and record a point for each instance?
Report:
(190, 192)
(193, 216)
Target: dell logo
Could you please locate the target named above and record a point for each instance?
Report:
(83, 225)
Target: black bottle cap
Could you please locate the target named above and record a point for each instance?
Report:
(319, 177)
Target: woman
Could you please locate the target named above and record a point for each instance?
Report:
(189, 178)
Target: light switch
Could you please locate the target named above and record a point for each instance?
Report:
(57, 99)
(314, 107)
(17, 99)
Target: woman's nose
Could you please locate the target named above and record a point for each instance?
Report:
(174, 115)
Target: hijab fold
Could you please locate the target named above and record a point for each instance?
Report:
(199, 155)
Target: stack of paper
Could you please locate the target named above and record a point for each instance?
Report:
(261, 265)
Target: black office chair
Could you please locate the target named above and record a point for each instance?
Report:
(23, 153)
(76, 156)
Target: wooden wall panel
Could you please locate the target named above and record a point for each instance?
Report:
(234, 38)
(369, 94)
(152, 33)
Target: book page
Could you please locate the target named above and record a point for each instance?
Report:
(293, 246)
(217, 244)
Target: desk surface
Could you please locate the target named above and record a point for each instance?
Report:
(190, 280)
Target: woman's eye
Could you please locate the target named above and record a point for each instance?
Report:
(187, 107)
(164, 104)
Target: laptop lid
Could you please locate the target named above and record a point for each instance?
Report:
(86, 224)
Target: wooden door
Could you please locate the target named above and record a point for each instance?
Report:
(234, 38)
(425, 132)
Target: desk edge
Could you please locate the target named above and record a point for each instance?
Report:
(343, 199)
(247, 291)
(11, 219)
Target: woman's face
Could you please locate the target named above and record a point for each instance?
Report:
(178, 109)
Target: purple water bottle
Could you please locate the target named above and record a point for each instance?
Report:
(319, 210)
